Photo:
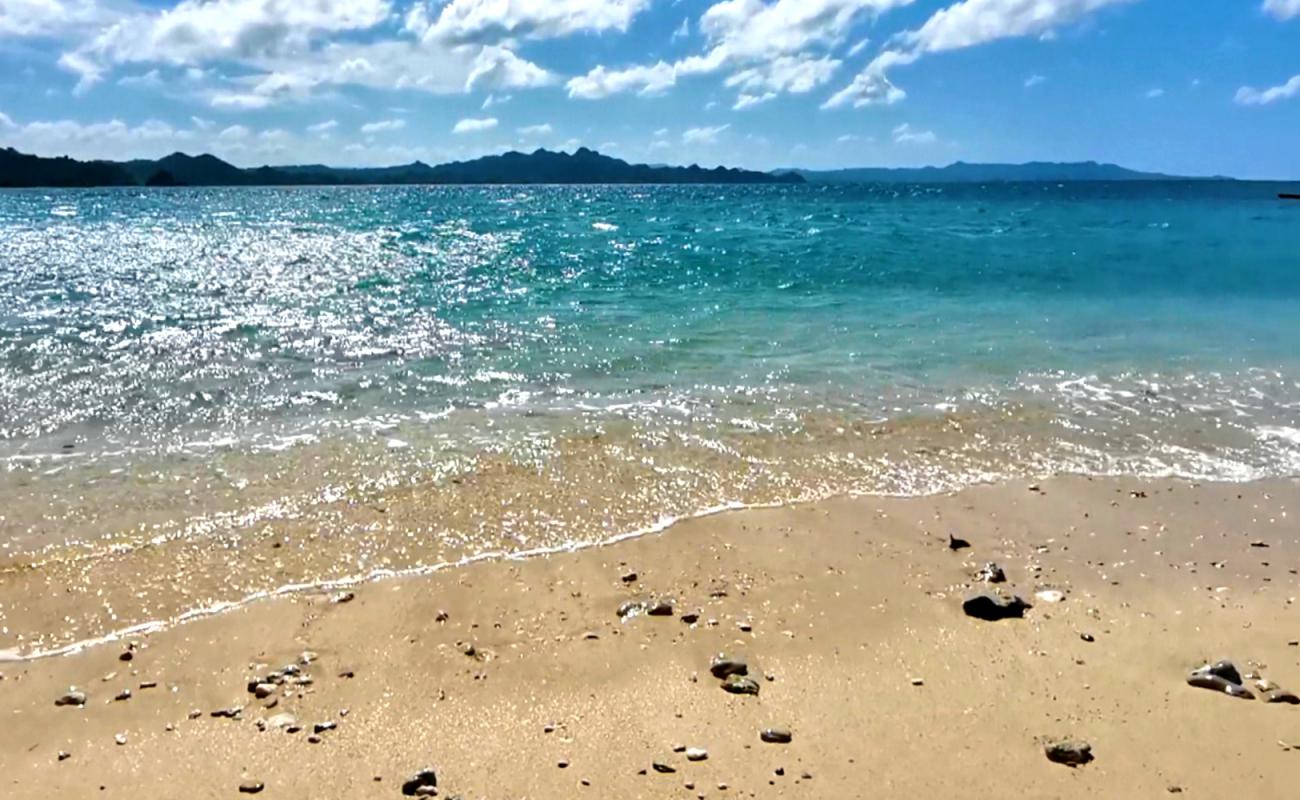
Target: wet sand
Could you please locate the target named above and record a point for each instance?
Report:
(498, 673)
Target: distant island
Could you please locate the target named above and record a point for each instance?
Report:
(962, 172)
(541, 166)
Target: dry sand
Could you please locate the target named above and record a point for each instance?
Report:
(851, 602)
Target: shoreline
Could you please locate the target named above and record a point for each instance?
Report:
(855, 634)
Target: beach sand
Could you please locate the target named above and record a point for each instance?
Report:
(518, 679)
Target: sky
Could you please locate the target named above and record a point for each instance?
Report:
(1193, 87)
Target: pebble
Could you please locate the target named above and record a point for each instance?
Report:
(691, 617)
(424, 779)
(739, 684)
(125, 694)
(664, 768)
(343, 597)
(1070, 753)
(745, 626)
(227, 713)
(148, 684)
(918, 681)
(71, 698)
(628, 577)
(721, 666)
(64, 755)
(1087, 637)
(1050, 595)
(313, 739)
(322, 727)
(263, 690)
(991, 608)
(660, 608)
(776, 735)
(251, 787)
(307, 657)
(992, 573)
(954, 543)
(1220, 677)
(1282, 696)
(696, 754)
(120, 738)
(630, 609)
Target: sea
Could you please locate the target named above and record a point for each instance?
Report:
(212, 396)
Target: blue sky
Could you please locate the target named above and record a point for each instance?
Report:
(1185, 86)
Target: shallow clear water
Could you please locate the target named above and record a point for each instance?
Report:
(186, 365)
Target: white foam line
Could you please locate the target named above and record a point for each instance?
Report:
(14, 655)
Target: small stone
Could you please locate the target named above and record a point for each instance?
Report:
(1175, 790)
(1227, 670)
(631, 608)
(992, 573)
(251, 787)
(776, 735)
(64, 755)
(1069, 753)
(696, 754)
(228, 713)
(424, 778)
(991, 608)
(664, 768)
(722, 666)
(779, 771)
(918, 681)
(343, 597)
(628, 577)
(307, 657)
(263, 690)
(72, 697)
(313, 739)
(660, 608)
(148, 684)
(744, 625)
(739, 684)
(955, 543)
(322, 727)
(1282, 696)
(120, 738)
(1220, 677)
(1087, 637)
(590, 636)
(562, 764)
(125, 694)
(441, 616)
(126, 655)
(1050, 595)
(690, 617)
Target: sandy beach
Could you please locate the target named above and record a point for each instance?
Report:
(520, 679)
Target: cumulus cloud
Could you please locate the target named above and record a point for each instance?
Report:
(967, 23)
(906, 134)
(474, 125)
(745, 101)
(768, 46)
(47, 18)
(1283, 9)
(383, 126)
(323, 127)
(496, 67)
(1249, 96)
(703, 135)
(496, 21)
(535, 131)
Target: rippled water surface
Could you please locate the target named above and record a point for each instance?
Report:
(388, 379)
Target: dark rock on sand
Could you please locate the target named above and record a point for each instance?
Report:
(630, 609)
(739, 684)
(992, 573)
(424, 779)
(664, 768)
(71, 698)
(993, 607)
(1220, 677)
(660, 608)
(776, 735)
(722, 666)
(955, 543)
(691, 617)
(1282, 696)
(321, 727)
(251, 787)
(1069, 753)
(628, 577)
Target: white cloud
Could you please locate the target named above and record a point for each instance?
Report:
(683, 31)
(494, 100)
(47, 18)
(1035, 80)
(264, 90)
(383, 126)
(795, 74)
(147, 80)
(1157, 92)
(601, 82)
(535, 131)
(497, 68)
(323, 127)
(475, 125)
(495, 21)
(1249, 96)
(750, 100)
(1283, 9)
(906, 134)
(235, 133)
(6, 121)
(963, 24)
(703, 135)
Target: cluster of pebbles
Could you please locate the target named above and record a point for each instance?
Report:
(1223, 676)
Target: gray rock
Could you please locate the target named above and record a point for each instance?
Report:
(425, 778)
(1225, 669)
(722, 666)
(1069, 752)
(251, 787)
(991, 608)
(696, 754)
(264, 690)
(1282, 696)
(992, 573)
(1219, 678)
(630, 609)
(739, 684)
(776, 735)
(72, 697)
(664, 768)
(282, 720)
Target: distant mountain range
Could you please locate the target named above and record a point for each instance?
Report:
(542, 166)
(961, 172)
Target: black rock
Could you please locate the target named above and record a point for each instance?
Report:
(628, 577)
(1227, 670)
(1069, 753)
(71, 698)
(660, 608)
(664, 768)
(690, 617)
(1087, 637)
(954, 543)
(1282, 696)
(739, 684)
(1216, 678)
(721, 666)
(776, 735)
(992, 608)
(425, 778)
(251, 787)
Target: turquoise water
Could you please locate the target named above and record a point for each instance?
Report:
(196, 371)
